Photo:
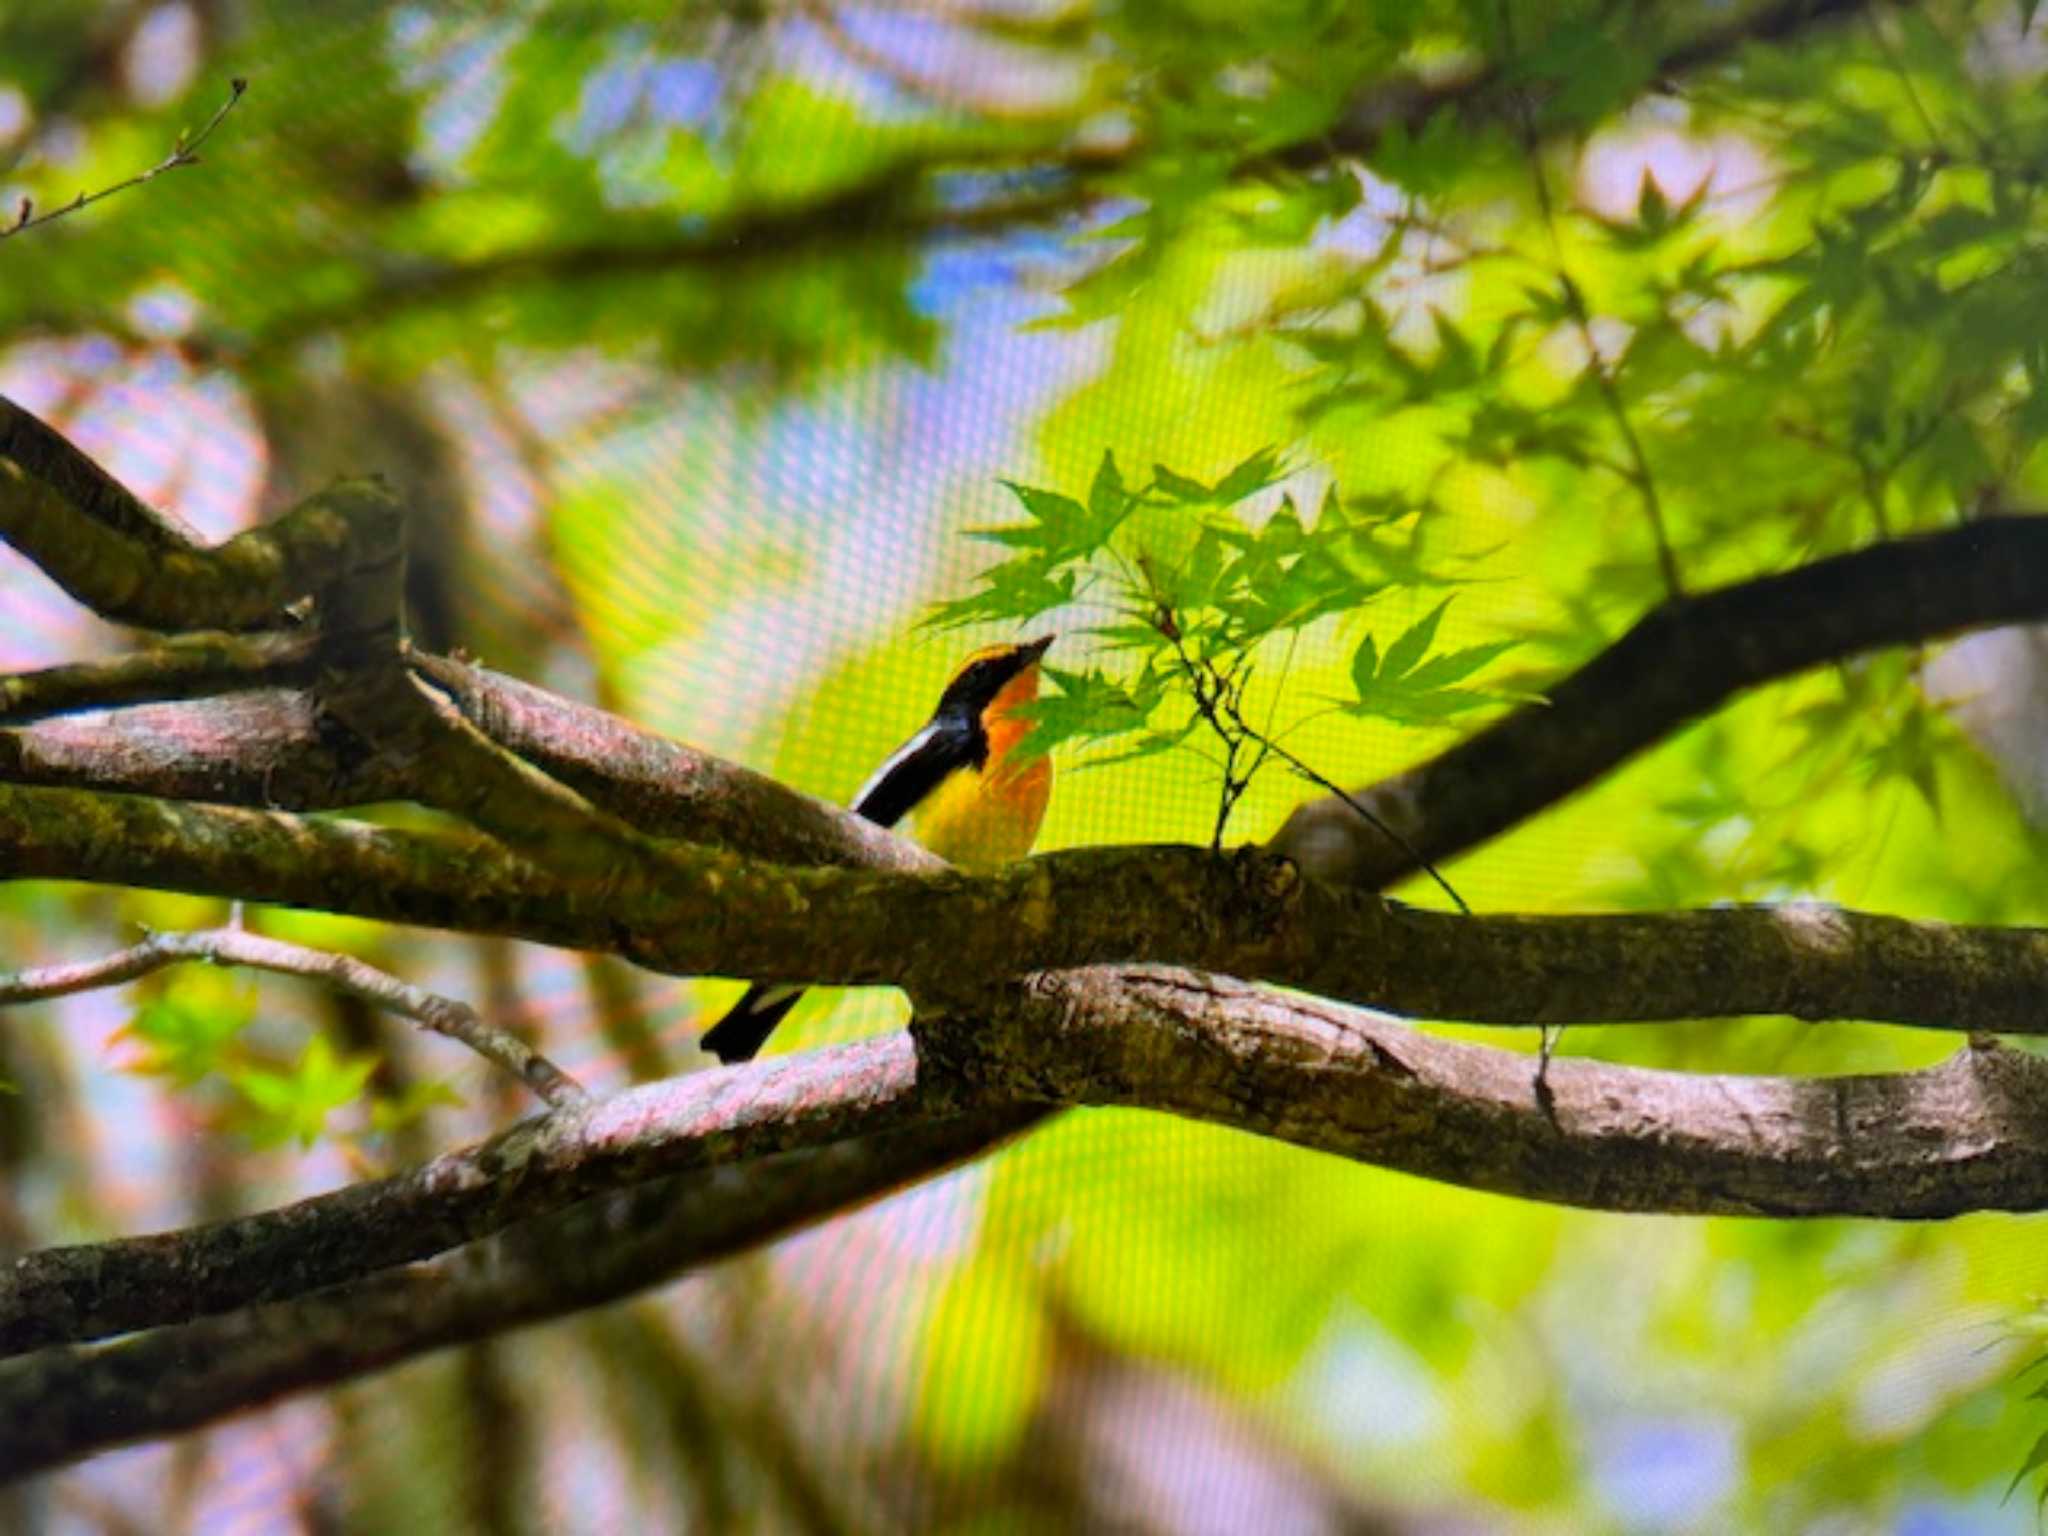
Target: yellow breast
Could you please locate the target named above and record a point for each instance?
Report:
(982, 817)
(979, 819)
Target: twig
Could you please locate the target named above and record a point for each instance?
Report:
(236, 946)
(1637, 472)
(1330, 786)
(184, 152)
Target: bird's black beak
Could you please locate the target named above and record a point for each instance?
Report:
(1031, 650)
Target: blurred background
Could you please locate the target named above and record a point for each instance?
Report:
(698, 336)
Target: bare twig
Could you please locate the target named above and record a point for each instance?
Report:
(236, 946)
(1637, 472)
(184, 152)
(1329, 786)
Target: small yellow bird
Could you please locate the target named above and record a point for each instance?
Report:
(970, 802)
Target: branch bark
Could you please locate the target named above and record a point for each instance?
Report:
(190, 666)
(941, 934)
(1971, 1133)
(537, 1167)
(61, 1404)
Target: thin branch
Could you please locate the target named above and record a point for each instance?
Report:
(188, 666)
(184, 152)
(234, 946)
(1638, 472)
(1268, 743)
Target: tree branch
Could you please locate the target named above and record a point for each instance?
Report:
(1680, 661)
(188, 666)
(661, 786)
(535, 1168)
(857, 1090)
(246, 583)
(238, 947)
(184, 152)
(1969, 1134)
(62, 1404)
(938, 934)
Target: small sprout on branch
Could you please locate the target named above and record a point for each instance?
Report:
(184, 152)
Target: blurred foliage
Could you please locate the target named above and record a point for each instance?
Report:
(714, 326)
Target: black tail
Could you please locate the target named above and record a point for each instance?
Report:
(743, 1031)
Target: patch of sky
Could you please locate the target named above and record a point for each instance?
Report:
(1664, 1473)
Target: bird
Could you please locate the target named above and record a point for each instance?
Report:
(971, 801)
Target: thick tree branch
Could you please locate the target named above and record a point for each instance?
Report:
(941, 933)
(62, 1404)
(246, 583)
(662, 787)
(271, 748)
(1681, 660)
(857, 1090)
(238, 947)
(537, 1167)
(344, 546)
(1969, 1134)
(46, 456)
(268, 747)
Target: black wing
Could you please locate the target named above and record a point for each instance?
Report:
(917, 768)
(743, 1031)
(912, 771)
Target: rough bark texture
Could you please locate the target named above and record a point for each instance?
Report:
(62, 1404)
(537, 1166)
(1969, 1134)
(946, 932)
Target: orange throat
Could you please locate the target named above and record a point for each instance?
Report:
(984, 819)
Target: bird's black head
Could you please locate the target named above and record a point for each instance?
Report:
(984, 674)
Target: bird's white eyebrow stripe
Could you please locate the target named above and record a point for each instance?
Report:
(894, 761)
